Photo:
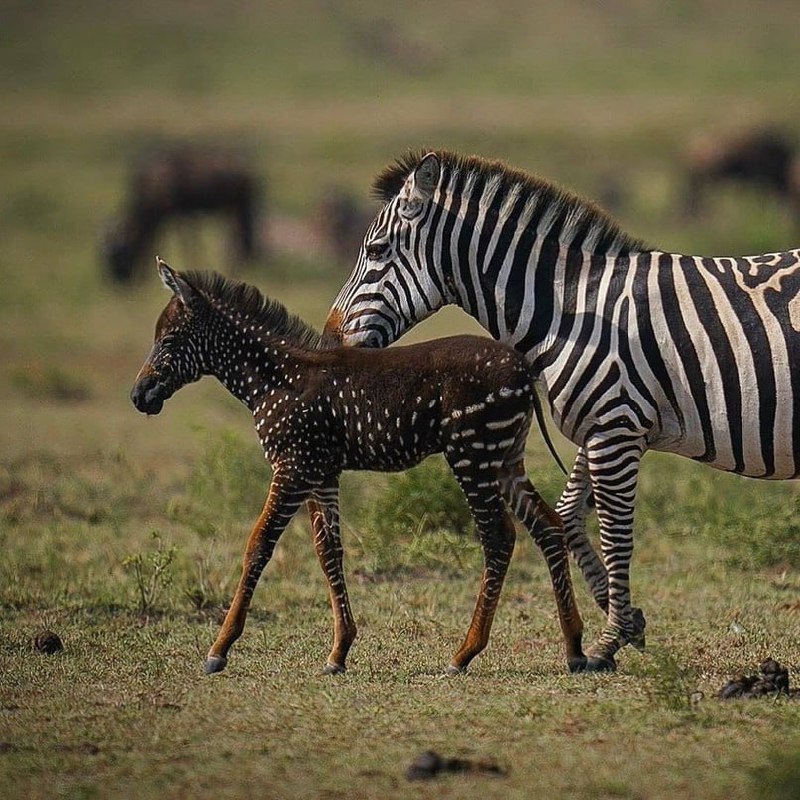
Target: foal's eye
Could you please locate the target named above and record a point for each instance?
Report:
(377, 251)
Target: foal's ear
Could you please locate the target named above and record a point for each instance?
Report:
(426, 177)
(174, 282)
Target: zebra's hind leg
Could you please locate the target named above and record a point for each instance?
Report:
(324, 513)
(574, 507)
(497, 536)
(544, 526)
(614, 468)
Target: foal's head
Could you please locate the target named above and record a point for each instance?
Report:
(177, 354)
(216, 326)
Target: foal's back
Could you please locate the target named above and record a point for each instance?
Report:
(395, 407)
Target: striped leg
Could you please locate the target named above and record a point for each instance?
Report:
(614, 469)
(324, 513)
(285, 496)
(544, 526)
(497, 536)
(573, 507)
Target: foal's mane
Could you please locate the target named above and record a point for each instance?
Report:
(577, 212)
(245, 304)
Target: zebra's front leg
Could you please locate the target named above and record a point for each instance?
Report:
(497, 536)
(574, 506)
(545, 528)
(324, 512)
(614, 468)
(286, 494)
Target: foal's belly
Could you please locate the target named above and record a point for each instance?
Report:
(387, 456)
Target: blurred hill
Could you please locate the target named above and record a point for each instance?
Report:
(603, 98)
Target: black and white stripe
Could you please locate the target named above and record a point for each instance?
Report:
(636, 349)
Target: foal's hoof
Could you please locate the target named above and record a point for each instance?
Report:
(600, 664)
(333, 669)
(637, 639)
(577, 664)
(453, 670)
(215, 664)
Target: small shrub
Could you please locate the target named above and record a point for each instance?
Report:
(421, 500)
(418, 521)
(208, 586)
(670, 684)
(151, 573)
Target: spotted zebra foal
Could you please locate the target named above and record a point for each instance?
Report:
(318, 412)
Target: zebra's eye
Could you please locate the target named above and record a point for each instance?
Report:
(377, 250)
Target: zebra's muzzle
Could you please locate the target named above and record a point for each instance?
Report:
(149, 393)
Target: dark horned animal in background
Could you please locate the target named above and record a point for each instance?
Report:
(763, 157)
(319, 412)
(178, 182)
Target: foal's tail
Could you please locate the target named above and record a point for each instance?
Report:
(540, 421)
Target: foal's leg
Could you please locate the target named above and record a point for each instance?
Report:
(284, 498)
(544, 526)
(497, 535)
(324, 512)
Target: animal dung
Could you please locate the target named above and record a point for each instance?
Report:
(48, 642)
(772, 679)
(429, 764)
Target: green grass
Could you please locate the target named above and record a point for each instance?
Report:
(125, 534)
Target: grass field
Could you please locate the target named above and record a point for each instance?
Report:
(124, 534)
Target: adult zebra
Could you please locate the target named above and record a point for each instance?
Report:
(634, 348)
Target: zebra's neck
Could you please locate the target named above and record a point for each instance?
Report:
(248, 363)
(522, 300)
(518, 246)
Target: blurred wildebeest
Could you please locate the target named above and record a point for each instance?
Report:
(180, 181)
(762, 157)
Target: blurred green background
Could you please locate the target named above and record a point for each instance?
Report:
(604, 98)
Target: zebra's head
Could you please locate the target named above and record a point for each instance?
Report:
(176, 356)
(392, 287)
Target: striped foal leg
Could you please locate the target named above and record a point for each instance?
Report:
(614, 462)
(286, 494)
(544, 526)
(497, 536)
(328, 544)
(573, 507)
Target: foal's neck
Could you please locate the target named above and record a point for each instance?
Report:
(247, 362)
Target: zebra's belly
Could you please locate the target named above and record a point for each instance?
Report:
(774, 461)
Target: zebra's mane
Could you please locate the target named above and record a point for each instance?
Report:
(577, 215)
(245, 304)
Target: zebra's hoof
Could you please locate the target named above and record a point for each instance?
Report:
(600, 664)
(637, 639)
(333, 669)
(453, 670)
(215, 664)
(577, 664)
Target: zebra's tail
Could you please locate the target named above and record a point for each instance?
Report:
(540, 421)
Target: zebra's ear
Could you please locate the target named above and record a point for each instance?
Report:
(174, 282)
(426, 177)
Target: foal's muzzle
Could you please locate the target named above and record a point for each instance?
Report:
(149, 393)
(338, 333)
